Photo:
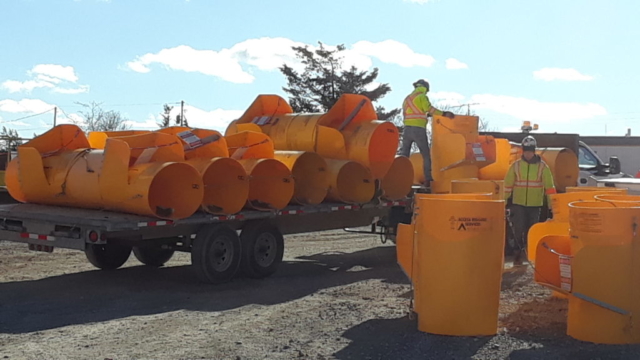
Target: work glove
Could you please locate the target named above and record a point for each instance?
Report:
(448, 114)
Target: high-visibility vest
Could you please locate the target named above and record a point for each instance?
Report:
(529, 183)
(413, 115)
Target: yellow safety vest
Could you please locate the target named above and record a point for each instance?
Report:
(416, 114)
(529, 183)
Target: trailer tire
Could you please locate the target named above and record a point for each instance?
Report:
(107, 256)
(262, 249)
(152, 255)
(215, 254)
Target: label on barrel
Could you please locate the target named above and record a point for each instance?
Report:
(471, 223)
(590, 222)
(190, 138)
(565, 272)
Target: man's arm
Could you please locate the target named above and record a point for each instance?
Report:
(547, 182)
(427, 107)
(509, 180)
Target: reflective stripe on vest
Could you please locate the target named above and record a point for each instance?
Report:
(417, 118)
(523, 179)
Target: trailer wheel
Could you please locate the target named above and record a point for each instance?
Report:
(262, 249)
(215, 255)
(152, 255)
(107, 256)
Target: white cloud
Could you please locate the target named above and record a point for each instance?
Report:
(455, 64)
(48, 76)
(393, 52)
(14, 86)
(55, 71)
(268, 54)
(217, 119)
(530, 109)
(550, 74)
(29, 106)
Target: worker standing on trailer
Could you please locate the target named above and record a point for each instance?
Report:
(527, 183)
(416, 109)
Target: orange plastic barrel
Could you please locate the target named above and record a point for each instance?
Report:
(498, 170)
(396, 184)
(495, 187)
(351, 182)
(459, 295)
(310, 174)
(226, 184)
(605, 298)
(373, 144)
(630, 199)
(271, 184)
(250, 145)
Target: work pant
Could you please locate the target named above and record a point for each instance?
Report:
(417, 134)
(523, 218)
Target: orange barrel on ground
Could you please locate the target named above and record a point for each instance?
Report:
(552, 255)
(623, 191)
(310, 174)
(404, 248)
(411, 252)
(542, 229)
(605, 300)
(396, 184)
(466, 186)
(226, 184)
(351, 182)
(271, 184)
(612, 198)
(460, 252)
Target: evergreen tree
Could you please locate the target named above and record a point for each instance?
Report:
(323, 80)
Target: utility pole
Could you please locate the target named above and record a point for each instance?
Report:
(55, 115)
(181, 112)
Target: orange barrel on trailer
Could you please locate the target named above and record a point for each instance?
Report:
(351, 182)
(466, 186)
(396, 184)
(250, 145)
(605, 296)
(418, 168)
(373, 144)
(310, 174)
(498, 170)
(98, 139)
(271, 185)
(226, 184)
(414, 274)
(459, 295)
(56, 169)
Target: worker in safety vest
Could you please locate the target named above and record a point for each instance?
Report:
(416, 109)
(527, 183)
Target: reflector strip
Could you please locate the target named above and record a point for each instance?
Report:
(37, 237)
(155, 223)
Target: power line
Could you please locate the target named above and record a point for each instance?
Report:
(26, 117)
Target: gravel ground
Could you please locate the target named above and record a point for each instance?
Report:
(336, 296)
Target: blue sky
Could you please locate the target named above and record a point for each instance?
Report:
(570, 66)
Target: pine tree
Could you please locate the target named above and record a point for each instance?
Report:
(318, 87)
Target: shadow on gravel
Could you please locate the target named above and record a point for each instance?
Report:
(544, 322)
(400, 339)
(94, 296)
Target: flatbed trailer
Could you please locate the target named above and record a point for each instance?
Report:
(250, 242)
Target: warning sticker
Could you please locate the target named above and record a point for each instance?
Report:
(190, 138)
(470, 223)
(478, 153)
(565, 273)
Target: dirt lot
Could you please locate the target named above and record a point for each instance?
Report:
(336, 296)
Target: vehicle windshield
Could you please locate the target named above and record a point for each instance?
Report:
(586, 158)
